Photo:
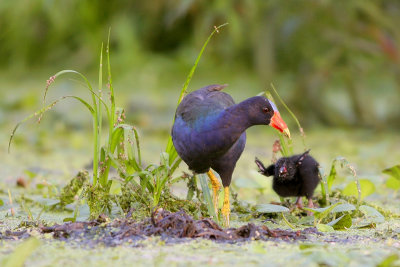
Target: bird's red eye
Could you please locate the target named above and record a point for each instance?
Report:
(266, 110)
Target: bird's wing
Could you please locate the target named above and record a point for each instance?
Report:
(204, 102)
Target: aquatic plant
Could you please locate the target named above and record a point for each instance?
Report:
(120, 151)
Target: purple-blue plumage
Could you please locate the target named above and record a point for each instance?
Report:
(209, 129)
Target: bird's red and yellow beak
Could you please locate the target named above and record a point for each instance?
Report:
(278, 123)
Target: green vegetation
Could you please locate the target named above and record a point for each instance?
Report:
(122, 151)
(334, 64)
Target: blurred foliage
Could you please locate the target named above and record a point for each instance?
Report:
(339, 59)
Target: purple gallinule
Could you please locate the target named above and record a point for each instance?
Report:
(209, 132)
(294, 176)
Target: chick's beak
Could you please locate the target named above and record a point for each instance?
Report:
(282, 170)
(278, 123)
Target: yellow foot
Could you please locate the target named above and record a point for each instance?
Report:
(216, 186)
(226, 210)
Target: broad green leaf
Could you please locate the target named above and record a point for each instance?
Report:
(270, 208)
(115, 188)
(372, 214)
(365, 224)
(341, 223)
(393, 171)
(30, 174)
(83, 213)
(1, 202)
(306, 220)
(69, 219)
(343, 207)
(367, 188)
(321, 213)
(325, 228)
(393, 183)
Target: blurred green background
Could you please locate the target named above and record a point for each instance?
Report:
(336, 64)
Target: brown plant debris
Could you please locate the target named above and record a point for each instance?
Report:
(172, 227)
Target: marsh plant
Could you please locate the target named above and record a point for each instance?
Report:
(136, 185)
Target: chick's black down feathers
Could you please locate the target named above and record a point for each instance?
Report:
(293, 176)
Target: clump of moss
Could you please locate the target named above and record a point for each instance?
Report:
(70, 191)
(139, 205)
(98, 200)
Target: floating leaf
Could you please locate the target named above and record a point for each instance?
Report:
(341, 223)
(393, 183)
(325, 228)
(306, 220)
(321, 213)
(372, 214)
(367, 188)
(84, 213)
(270, 208)
(343, 207)
(393, 171)
(365, 225)
(30, 174)
(115, 188)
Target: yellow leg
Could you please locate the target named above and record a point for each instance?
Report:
(226, 209)
(215, 185)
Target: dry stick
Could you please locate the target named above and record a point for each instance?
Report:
(11, 203)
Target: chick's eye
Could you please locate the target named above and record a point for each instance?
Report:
(266, 109)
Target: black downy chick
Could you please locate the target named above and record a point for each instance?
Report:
(294, 176)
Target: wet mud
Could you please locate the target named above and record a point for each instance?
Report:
(172, 227)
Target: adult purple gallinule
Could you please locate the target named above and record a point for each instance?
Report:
(209, 132)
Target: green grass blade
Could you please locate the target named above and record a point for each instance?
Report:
(207, 196)
(43, 110)
(22, 252)
(115, 138)
(99, 111)
(292, 114)
(139, 157)
(110, 86)
(170, 149)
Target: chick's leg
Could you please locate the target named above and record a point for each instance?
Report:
(299, 202)
(226, 209)
(310, 205)
(215, 186)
